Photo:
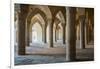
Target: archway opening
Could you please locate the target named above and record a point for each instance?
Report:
(36, 30)
(59, 33)
(61, 27)
(36, 33)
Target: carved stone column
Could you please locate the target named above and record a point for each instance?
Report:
(21, 29)
(64, 34)
(27, 35)
(44, 34)
(51, 34)
(71, 34)
(82, 31)
(86, 29)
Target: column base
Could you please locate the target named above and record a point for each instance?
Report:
(70, 59)
(21, 53)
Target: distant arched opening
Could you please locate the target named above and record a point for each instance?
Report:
(36, 33)
(59, 33)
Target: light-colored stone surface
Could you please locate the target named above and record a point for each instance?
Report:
(41, 50)
(81, 55)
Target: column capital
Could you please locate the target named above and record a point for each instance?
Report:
(82, 17)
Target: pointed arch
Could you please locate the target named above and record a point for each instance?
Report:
(60, 16)
(62, 23)
(45, 9)
(59, 32)
(36, 19)
(36, 33)
(34, 12)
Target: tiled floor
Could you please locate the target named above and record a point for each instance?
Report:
(39, 59)
(42, 55)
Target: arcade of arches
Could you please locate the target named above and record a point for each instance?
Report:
(51, 30)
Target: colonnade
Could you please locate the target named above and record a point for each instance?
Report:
(69, 28)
